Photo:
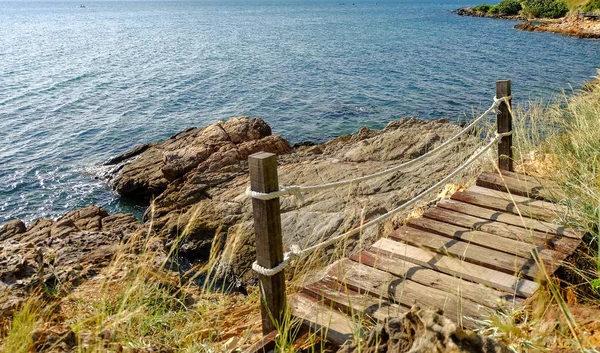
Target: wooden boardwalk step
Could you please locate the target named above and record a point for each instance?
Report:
(490, 241)
(555, 242)
(521, 185)
(467, 252)
(381, 284)
(455, 267)
(508, 218)
(500, 204)
(336, 295)
(333, 325)
(493, 299)
(521, 201)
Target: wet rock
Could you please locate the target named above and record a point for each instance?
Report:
(423, 331)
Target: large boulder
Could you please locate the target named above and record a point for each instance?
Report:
(147, 170)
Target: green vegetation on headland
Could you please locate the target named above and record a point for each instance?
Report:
(537, 8)
(591, 5)
(529, 8)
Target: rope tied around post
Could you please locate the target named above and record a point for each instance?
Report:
(294, 253)
(498, 101)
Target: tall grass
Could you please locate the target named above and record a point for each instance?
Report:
(560, 141)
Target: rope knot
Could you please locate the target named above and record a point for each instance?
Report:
(498, 101)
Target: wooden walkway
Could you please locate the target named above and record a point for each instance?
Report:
(471, 255)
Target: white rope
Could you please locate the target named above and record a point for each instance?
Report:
(299, 190)
(296, 252)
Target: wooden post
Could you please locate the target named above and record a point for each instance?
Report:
(504, 123)
(269, 244)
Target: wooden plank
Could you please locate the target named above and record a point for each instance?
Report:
(550, 241)
(507, 245)
(503, 205)
(508, 218)
(268, 239)
(339, 296)
(455, 267)
(265, 344)
(334, 326)
(472, 253)
(378, 283)
(478, 293)
(559, 210)
(504, 124)
(532, 189)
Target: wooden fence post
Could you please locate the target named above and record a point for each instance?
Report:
(504, 124)
(269, 244)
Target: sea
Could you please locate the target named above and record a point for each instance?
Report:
(81, 81)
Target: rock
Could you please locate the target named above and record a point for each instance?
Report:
(569, 25)
(58, 254)
(11, 229)
(203, 176)
(147, 170)
(423, 331)
(525, 26)
(469, 11)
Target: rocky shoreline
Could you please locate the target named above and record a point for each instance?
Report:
(469, 11)
(197, 179)
(572, 25)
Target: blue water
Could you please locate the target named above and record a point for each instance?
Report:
(78, 85)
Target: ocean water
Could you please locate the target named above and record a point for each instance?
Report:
(81, 84)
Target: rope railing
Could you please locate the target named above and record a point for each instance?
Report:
(298, 190)
(296, 252)
(265, 192)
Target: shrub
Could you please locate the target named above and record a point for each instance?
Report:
(545, 8)
(507, 7)
(483, 8)
(592, 5)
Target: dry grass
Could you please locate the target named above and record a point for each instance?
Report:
(560, 141)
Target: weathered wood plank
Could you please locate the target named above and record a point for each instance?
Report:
(508, 218)
(472, 253)
(456, 267)
(378, 283)
(559, 210)
(520, 186)
(334, 326)
(555, 242)
(525, 250)
(487, 201)
(265, 344)
(339, 296)
(478, 293)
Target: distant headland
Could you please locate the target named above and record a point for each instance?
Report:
(576, 19)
